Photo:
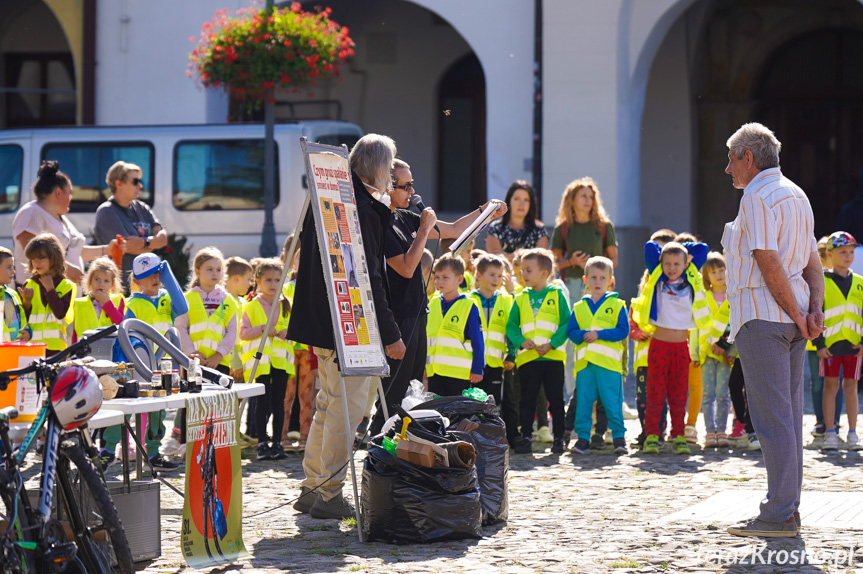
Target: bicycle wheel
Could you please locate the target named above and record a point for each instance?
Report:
(102, 543)
(14, 559)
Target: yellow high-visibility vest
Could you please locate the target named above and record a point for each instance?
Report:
(719, 316)
(449, 353)
(46, 327)
(605, 354)
(16, 320)
(494, 331)
(159, 315)
(275, 350)
(539, 328)
(700, 308)
(208, 331)
(85, 314)
(842, 316)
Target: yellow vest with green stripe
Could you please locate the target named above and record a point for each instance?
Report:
(540, 327)
(449, 353)
(700, 307)
(12, 330)
(605, 354)
(719, 315)
(208, 331)
(494, 331)
(277, 353)
(842, 316)
(159, 316)
(85, 314)
(46, 327)
(641, 347)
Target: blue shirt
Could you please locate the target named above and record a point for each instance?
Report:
(618, 333)
(472, 332)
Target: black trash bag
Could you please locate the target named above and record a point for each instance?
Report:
(492, 450)
(404, 503)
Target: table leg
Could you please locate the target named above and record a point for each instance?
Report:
(124, 444)
(139, 463)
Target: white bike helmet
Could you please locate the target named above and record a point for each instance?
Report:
(76, 396)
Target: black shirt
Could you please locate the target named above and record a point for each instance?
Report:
(407, 296)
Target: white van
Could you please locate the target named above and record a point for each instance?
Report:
(204, 182)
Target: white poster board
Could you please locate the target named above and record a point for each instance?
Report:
(346, 275)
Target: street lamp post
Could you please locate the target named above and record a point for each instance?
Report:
(268, 246)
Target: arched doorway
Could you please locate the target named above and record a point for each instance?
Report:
(811, 92)
(461, 137)
(36, 67)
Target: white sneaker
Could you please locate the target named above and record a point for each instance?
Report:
(690, 434)
(754, 443)
(607, 437)
(181, 451)
(831, 442)
(544, 435)
(170, 447)
(851, 442)
(294, 435)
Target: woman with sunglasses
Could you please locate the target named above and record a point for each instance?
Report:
(47, 214)
(403, 248)
(125, 215)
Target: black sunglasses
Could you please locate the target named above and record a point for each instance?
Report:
(137, 180)
(407, 187)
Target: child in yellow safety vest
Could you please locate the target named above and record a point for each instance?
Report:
(239, 279)
(537, 329)
(696, 391)
(47, 296)
(672, 302)
(157, 301)
(456, 350)
(814, 362)
(715, 354)
(494, 305)
(103, 304)
(14, 318)
(208, 331)
(598, 326)
(839, 346)
(301, 387)
(277, 360)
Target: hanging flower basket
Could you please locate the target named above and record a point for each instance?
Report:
(258, 50)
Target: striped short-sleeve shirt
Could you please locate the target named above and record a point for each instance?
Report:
(774, 215)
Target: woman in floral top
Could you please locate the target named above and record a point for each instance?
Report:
(518, 228)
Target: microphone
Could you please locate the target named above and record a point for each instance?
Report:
(417, 201)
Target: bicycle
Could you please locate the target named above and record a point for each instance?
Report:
(74, 522)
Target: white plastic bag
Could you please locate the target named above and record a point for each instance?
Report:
(415, 395)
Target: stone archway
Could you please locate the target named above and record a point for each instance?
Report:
(37, 67)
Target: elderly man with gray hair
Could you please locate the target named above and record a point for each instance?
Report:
(326, 455)
(775, 292)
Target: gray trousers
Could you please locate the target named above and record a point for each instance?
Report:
(772, 356)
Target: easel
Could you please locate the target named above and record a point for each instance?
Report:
(349, 432)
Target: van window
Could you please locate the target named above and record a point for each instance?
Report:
(339, 139)
(11, 171)
(87, 164)
(220, 175)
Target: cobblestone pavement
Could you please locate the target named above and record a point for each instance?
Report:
(568, 513)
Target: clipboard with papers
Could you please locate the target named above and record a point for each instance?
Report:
(475, 228)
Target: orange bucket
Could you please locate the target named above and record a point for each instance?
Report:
(21, 393)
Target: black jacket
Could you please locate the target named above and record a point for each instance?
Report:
(311, 321)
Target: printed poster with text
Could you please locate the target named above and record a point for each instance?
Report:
(345, 267)
(213, 509)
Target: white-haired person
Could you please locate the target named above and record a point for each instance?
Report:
(775, 295)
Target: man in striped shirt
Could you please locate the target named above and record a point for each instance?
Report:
(776, 292)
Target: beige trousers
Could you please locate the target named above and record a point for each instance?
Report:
(327, 449)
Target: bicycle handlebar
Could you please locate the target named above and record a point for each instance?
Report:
(83, 345)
